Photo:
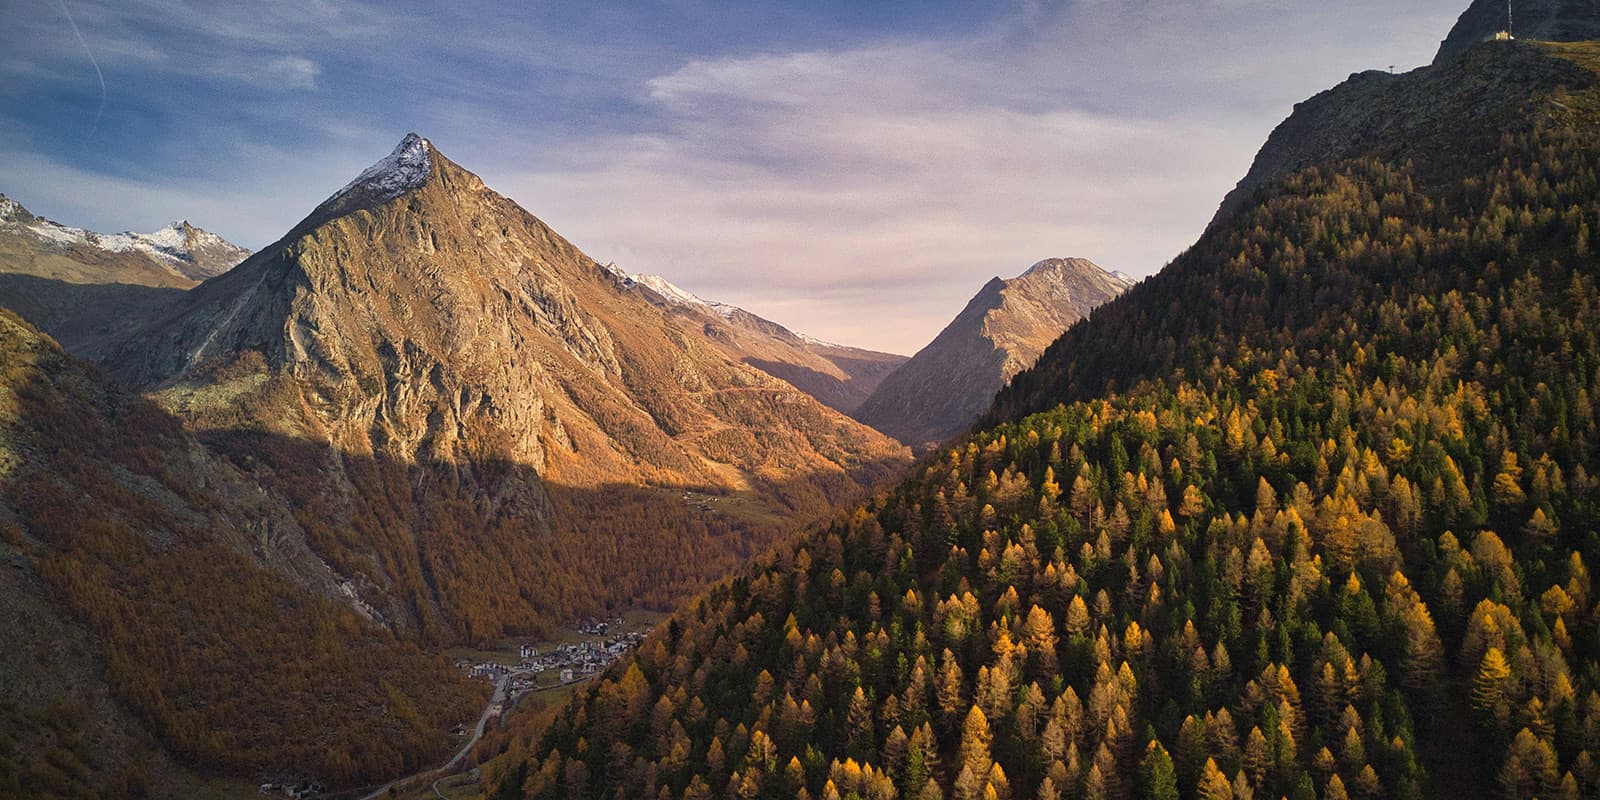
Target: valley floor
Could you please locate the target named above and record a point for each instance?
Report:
(551, 669)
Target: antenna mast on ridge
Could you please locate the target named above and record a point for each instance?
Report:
(1505, 35)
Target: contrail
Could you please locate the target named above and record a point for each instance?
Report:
(97, 73)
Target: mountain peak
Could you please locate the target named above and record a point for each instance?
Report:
(1543, 20)
(1002, 329)
(1062, 265)
(404, 169)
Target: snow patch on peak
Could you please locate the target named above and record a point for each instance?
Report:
(186, 249)
(677, 296)
(815, 342)
(172, 237)
(404, 169)
(670, 292)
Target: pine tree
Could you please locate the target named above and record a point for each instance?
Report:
(975, 740)
(1530, 768)
(1489, 687)
(1213, 784)
(1159, 781)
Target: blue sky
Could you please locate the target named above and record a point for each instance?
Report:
(855, 170)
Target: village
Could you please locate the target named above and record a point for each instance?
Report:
(600, 643)
(586, 648)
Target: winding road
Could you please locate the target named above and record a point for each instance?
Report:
(477, 733)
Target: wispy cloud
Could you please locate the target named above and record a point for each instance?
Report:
(866, 193)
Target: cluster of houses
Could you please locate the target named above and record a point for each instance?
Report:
(574, 661)
(570, 662)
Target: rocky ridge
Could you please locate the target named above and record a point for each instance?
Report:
(1466, 102)
(1002, 330)
(838, 376)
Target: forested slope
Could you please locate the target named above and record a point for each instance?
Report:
(141, 568)
(1310, 514)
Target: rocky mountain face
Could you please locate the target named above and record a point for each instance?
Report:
(1003, 329)
(87, 288)
(458, 397)
(837, 376)
(1543, 20)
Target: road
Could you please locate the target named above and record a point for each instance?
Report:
(477, 733)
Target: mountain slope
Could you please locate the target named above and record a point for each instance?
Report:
(949, 383)
(460, 401)
(1465, 102)
(839, 377)
(1544, 20)
(160, 608)
(1308, 514)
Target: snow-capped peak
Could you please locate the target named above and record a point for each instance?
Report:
(404, 169)
(173, 236)
(814, 341)
(668, 291)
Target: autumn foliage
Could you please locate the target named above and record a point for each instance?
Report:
(1311, 514)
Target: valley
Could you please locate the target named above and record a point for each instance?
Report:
(419, 499)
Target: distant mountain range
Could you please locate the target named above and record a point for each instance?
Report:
(179, 255)
(1002, 330)
(839, 376)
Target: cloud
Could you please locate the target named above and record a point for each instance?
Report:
(286, 72)
(864, 194)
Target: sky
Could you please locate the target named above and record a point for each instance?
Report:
(855, 170)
